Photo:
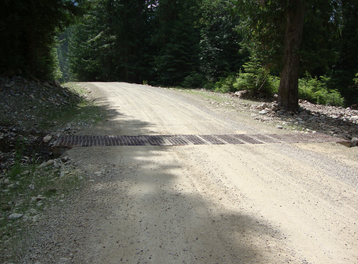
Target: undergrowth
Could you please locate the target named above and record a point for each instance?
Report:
(315, 90)
(258, 80)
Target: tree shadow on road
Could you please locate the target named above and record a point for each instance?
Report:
(147, 210)
(142, 205)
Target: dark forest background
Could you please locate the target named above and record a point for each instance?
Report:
(221, 45)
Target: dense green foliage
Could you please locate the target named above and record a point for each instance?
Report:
(258, 80)
(176, 40)
(345, 67)
(220, 50)
(27, 30)
(222, 45)
(315, 90)
(167, 42)
(254, 77)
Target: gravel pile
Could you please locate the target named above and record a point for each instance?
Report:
(25, 102)
(311, 118)
(335, 121)
(28, 111)
(28, 144)
(27, 108)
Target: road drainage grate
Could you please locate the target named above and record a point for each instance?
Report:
(181, 140)
(248, 139)
(230, 139)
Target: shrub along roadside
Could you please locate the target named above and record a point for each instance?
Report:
(315, 90)
(258, 80)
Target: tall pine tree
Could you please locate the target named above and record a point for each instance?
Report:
(28, 29)
(112, 42)
(291, 34)
(177, 41)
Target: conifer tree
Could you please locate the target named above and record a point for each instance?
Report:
(27, 30)
(177, 41)
(220, 43)
(291, 34)
(112, 42)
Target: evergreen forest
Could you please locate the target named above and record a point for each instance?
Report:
(294, 48)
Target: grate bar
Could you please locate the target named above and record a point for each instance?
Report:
(195, 140)
(212, 140)
(248, 139)
(230, 139)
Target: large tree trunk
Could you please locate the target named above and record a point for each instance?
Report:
(288, 90)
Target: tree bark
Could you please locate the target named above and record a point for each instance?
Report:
(288, 89)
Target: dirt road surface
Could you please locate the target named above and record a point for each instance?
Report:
(247, 203)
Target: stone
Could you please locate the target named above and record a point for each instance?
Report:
(354, 142)
(263, 112)
(262, 106)
(40, 197)
(50, 162)
(57, 83)
(65, 158)
(15, 216)
(47, 84)
(354, 117)
(47, 138)
(265, 105)
(25, 172)
(279, 127)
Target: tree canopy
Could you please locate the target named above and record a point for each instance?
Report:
(216, 44)
(27, 30)
(293, 37)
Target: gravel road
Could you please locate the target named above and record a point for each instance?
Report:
(248, 203)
